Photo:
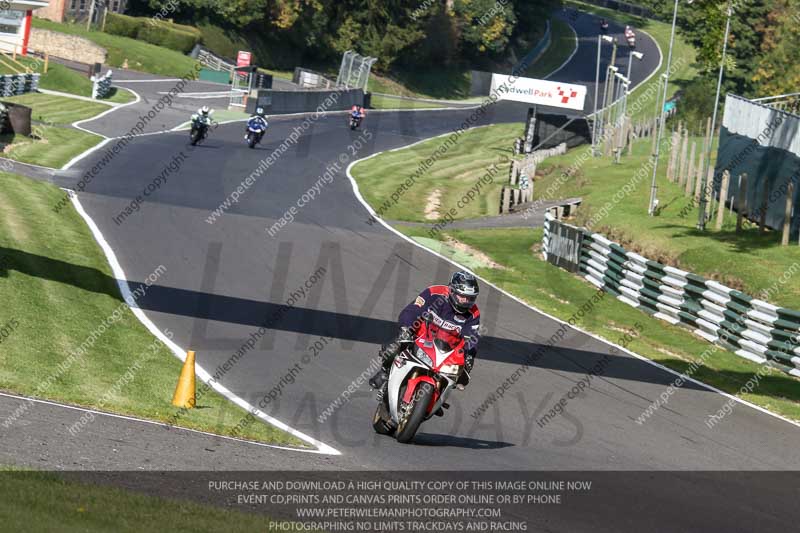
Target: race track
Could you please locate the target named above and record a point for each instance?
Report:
(225, 279)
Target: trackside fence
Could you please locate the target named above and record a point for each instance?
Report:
(749, 327)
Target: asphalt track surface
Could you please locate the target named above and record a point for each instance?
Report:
(581, 69)
(225, 280)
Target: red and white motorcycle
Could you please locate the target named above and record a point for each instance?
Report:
(420, 380)
(630, 36)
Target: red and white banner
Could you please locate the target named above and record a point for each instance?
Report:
(243, 59)
(539, 92)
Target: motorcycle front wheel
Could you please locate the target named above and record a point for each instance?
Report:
(251, 140)
(410, 423)
(195, 136)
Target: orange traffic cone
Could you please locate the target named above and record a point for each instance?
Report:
(185, 391)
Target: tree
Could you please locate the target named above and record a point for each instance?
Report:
(776, 70)
(485, 26)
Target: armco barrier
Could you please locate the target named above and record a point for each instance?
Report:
(751, 328)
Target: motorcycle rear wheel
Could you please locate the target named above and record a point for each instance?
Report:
(410, 424)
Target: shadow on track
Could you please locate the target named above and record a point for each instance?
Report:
(430, 439)
(312, 322)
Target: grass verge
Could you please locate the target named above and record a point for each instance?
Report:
(385, 102)
(749, 261)
(52, 147)
(58, 110)
(454, 173)
(562, 45)
(57, 287)
(560, 293)
(39, 501)
(140, 55)
(443, 83)
(683, 56)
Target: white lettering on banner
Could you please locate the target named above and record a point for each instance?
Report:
(539, 92)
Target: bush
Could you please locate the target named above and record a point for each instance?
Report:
(168, 38)
(179, 27)
(176, 37)
(221, 43)
(122, 25)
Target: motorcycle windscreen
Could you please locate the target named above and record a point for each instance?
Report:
(449, 345)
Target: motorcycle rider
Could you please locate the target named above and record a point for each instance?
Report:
(450, 307)
(604, 25)
(202, 117)
(358, 112)
(258, 118)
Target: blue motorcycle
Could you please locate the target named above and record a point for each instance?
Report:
(355, 119)
(256, 127)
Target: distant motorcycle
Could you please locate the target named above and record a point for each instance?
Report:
(355, 120)
(199, 129)
(630, 36)
(604, 26)
(256, 127)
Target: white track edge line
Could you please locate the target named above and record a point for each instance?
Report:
(106, 140)
(144, 421)
(104, 113)
(85, 154)
(577, 46)
(372, 212)
(180, 353)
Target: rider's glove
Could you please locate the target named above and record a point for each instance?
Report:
(405, 334)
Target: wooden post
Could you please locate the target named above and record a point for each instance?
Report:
(762, 216)
(514, 172)
(701, 165)
(504, 200)
(741, 206)
(787, 215)
(690, 175)
(723, 196)
(699, 183)
(673, 156)
(91, 15)
(618, 142)
(653, 135)
(631, 136)
(46, 61)
(709, 205)
(684, 158)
